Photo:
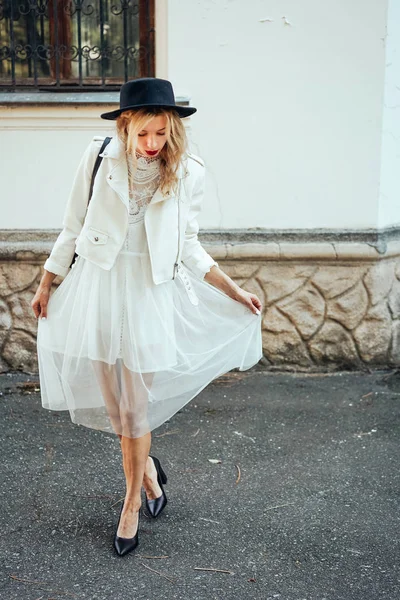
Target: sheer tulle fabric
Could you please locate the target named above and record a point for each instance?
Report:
(124, 355)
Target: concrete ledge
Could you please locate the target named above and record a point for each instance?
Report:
(336, 252)
(64, 97)
(314, 250)
(375, 237)
(37, 244)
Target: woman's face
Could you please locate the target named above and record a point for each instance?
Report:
(153, 137)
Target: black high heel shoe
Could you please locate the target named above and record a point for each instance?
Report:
(124, 545)
(156, 505)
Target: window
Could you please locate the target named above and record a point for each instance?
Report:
(75, 45)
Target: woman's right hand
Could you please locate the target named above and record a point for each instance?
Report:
(40, 301)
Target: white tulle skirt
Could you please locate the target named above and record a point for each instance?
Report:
(123, 355)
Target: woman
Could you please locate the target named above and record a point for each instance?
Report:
(145, 318)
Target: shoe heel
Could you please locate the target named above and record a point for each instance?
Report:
(157, 505)
(160, 470)
(163, 475)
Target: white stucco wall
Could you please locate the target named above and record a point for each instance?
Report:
(41, 150)
(291, 119)
(389, 199)
(289, 116)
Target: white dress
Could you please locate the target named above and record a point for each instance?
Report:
(123, 354)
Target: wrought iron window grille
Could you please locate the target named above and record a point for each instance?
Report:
(75, 45)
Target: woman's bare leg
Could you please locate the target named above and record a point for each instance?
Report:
(135, 450)
(135, 389)
(134, 455)
(108, 382)
(149, 482)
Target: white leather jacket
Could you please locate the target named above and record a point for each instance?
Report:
(97, 232)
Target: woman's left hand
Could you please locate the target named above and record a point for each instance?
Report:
(221, 280)
(248, 299)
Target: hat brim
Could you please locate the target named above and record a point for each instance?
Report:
(183, 111)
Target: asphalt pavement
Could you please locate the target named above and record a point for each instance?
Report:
(281, 486)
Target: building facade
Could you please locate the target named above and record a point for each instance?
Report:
(298, 123)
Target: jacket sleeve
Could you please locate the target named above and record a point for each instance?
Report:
(193, 253)
(63, 250)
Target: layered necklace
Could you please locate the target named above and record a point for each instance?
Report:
(142, 184)
(148, 168)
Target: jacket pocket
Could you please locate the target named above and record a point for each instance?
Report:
(96, 235)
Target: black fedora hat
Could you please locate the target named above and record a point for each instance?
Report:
(147, 92)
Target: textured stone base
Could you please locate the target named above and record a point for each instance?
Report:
(326, 305)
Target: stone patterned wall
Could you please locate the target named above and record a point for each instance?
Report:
(18, 325)
(319, 315)
(321, 310)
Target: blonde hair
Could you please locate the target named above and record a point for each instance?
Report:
(130, 122)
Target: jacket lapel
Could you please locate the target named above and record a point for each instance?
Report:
(117, 172)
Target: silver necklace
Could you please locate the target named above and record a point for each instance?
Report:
(140, 182)
(148, 168)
